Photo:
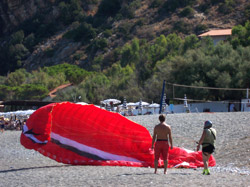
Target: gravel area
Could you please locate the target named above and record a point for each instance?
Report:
(23, 167)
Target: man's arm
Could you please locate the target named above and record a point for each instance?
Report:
(153, 139)
(201, 140)
(170, 138)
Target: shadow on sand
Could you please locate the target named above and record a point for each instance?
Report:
(129, 174)
(31, 168)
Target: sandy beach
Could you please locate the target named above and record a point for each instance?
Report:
(23, 167)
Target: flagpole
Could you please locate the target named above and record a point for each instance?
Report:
(162, 95)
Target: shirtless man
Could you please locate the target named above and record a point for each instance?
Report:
(162, 134)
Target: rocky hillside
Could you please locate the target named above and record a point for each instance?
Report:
(14, 12)
(115, 23)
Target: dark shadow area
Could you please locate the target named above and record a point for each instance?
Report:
(180, 173)
(31, 168)
(129, 174)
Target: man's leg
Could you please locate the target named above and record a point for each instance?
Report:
(205, 158)
(156, 165)
(165, 166)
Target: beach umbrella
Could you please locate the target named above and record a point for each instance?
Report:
(154, 106)
(142, 103)
(131, 104)
(19, 114)
(109, 101)
(82, 103)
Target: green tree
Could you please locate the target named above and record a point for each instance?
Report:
(73, 73)
(159, 49)
(96, 87)
(241, 35)
(190, 42)
(73, 94)
(70, 12)
(17, 78)
(50, 82)
(173, 43)
(130, 53)
(6, 92)
(31, 92)
(84, 33)
(30, 41)
(17, 37)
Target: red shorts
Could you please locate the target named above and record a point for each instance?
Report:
(161, 147)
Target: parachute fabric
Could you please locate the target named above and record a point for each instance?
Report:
(87, 135)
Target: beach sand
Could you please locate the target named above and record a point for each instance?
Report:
(23, 167)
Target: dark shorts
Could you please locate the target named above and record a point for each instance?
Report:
(2, 126)
(208, 149)
(161, 148)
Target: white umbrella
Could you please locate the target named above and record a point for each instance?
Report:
(142, 103)
(108, 101)
(18, 114)
(82, 103)
(154, 105)
(131, 104)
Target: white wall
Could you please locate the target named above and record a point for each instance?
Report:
(245, 105)
(216, 39)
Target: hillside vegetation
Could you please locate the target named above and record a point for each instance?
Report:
(118, 48)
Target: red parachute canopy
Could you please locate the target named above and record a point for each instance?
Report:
(87, 135)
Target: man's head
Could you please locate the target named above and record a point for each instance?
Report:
(162, 117)
(208, 124)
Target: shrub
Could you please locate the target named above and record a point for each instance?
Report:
(200, 28)
(187, 12)
(127, 12)
(70, 12)
(84, 33)
(124, 30)
(98, 44)
(78, 56)
(17, 37)
(29, 41)
(172, 5)
(49, 52)
(182, 26)
(247, 12)
(227, 7)
(157, 3)
(107, 33)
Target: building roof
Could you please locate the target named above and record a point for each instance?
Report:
(222, 32)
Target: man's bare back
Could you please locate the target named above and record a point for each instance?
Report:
(162, 131)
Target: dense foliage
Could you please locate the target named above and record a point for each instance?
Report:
(135, 69)
(139, 69)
